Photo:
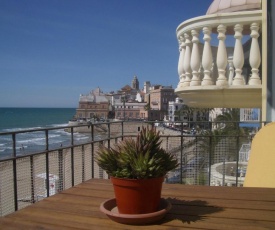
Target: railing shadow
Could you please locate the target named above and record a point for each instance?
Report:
(189, 211)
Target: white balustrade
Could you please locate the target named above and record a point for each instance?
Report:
(221, 57)
(255, 55)
(192, 62)
(181, 61)
(214, 68)
(186, 62)
(207, 59)
(195, 59)
(238, 56)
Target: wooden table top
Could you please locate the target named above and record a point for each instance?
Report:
(197, 207)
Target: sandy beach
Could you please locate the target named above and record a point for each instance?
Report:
(31, 177)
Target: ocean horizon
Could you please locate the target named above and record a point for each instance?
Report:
(18, 119)
(15, 118)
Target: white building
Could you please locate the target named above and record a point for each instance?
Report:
(175, 106)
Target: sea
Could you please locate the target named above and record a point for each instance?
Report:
(26, 119)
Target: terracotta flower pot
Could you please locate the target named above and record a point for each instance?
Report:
(137, 196)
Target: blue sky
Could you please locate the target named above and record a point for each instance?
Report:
(51, 51)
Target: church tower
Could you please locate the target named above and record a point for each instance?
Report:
(135, 83)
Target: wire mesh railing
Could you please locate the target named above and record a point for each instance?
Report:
(41, 164)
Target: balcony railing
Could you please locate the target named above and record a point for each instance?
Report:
(218, 70)
(31, 172)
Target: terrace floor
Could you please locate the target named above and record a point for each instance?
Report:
(195, 207)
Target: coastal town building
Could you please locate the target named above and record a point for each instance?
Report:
(153, 102)
(140, 97)
(129, 110)
(130, 92)
(149, 103)
(173, 114)
(128, 103)
(159, 101)
(178, 111)
(93, 105)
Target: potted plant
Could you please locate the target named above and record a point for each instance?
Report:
(137, 168)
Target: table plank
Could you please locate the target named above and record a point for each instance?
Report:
(220, 192)
(194, 207)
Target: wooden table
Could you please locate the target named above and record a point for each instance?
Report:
(197, 207)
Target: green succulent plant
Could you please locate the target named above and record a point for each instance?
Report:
(137, 159)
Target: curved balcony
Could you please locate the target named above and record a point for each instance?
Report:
(216, 67)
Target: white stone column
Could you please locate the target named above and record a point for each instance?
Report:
(255, 55)
(221, 57)
(238, 56)
(187, 57)
(181, 61)
(207, 58)
(195, 59)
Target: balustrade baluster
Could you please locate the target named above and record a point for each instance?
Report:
(238, 56)
(181, 61)
(231, 70)
(207, 58)
(255, 55)
(201, 71)
(221, 57)
(186, 63)
(195, 59)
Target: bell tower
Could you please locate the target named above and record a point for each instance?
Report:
(135, 83)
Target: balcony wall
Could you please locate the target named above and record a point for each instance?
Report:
(225, 74)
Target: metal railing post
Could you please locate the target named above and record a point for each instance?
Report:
(72, 155)
(32, 180)
(60, 170)
(14, 172)
(237, 160)
(47, 163)
(92, 151)
(209, 161)
(83, 162)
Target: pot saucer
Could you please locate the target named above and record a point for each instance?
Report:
(109, 208)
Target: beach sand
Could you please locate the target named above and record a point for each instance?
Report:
(31, 170)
